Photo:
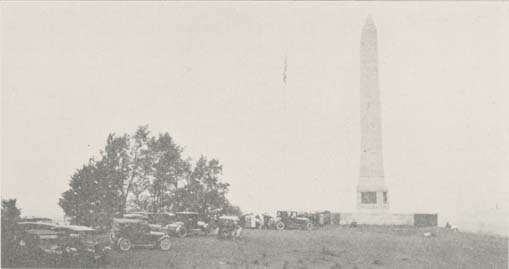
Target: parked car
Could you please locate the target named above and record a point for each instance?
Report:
(130, 233)
(50, 245)
(268, 221)
(322, 218)
(39, 247)
(292, 220)
(159, 218)
(158, 221)
(187, 223)
(252, 221)
(229, 227)
(143, 216)
(81, 243)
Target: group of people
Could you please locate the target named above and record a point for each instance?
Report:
(256, 221)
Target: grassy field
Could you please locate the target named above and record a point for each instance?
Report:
(328, 247)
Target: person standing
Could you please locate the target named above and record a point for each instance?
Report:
(240, 225)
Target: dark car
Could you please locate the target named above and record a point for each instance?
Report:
(158, 221)
(159, 218)
(188, 223)
(320, 218)
(49, 245)
(39, 247)
(81, 243)
(292, 220)
(229, 227)
(130, 233)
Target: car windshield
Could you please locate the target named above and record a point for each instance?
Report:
(162, 218)
(185, 217)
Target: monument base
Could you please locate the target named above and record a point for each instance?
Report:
(387, 218)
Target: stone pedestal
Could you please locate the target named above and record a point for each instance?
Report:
(372, 194)
(377, 218)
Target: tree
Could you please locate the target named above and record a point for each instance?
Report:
(10, 215)
(92, 195)
(142, 172)
(100, 190)
(116, 163)
(204, 190)
(138, 165)
(10, 212)
(127, 165)
(169, 169)
(232, 210)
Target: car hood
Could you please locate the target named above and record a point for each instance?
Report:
(174, 225)
(155, 226)
(154, 233)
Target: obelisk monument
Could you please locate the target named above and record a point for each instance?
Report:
(372, 192)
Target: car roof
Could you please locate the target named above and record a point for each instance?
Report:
(36, 223)
(33, 219)
(229, 218)
(41, 232)
(75, 228)
(165, 213)
(46, 226)
(135, 215)
(151, 213)
(120, 220)
(187, 213)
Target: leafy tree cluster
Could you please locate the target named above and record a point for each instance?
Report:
(146, 173)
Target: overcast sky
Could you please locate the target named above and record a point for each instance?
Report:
(211, 74)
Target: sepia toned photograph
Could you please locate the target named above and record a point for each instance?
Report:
(254, 134)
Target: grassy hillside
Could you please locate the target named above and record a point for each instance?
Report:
(329, 247)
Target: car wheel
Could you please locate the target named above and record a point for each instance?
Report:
(280, 226)
(165, 244)
(124, 244)
(308, 226)
(182, 232)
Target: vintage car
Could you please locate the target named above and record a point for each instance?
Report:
(80, 242)
(50, 245)
(39, 247)
(159, 218)
(320, 218)
(229, 227)
(158, 221)
(187, 223)
(268, 221)
(292, 220)
(252, 221)
(130, 233)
